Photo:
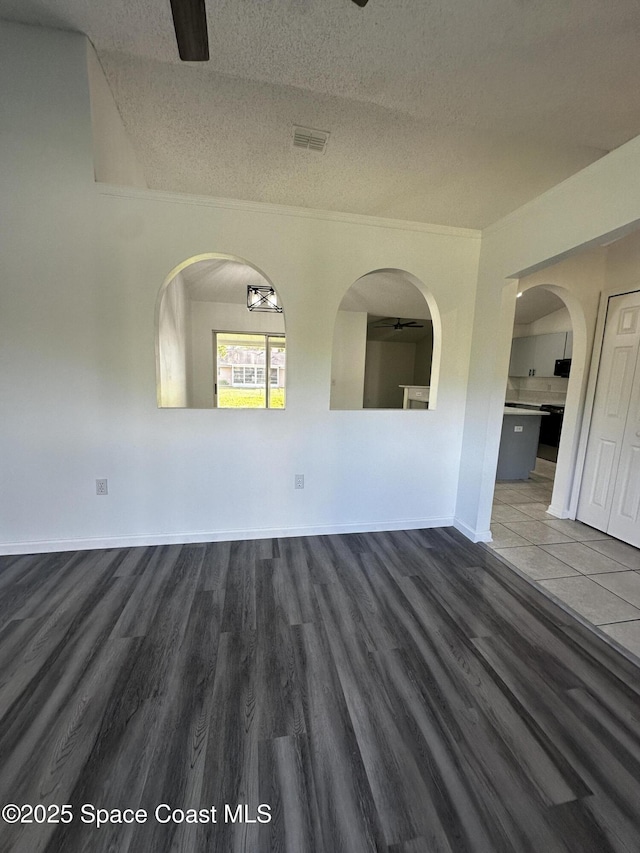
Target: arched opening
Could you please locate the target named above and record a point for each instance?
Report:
(386, 344)
(540, 431)
(220, 336)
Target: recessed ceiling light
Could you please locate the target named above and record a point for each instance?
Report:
(519, 295)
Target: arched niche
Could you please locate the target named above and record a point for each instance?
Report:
(387, 334)
(211, 350)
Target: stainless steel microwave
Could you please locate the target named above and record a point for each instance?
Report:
(563, 367)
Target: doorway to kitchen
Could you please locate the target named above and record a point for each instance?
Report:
(539, 369)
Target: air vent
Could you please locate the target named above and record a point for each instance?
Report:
(313, 140)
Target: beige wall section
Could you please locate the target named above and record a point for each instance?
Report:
(114, 158)
(348, 360)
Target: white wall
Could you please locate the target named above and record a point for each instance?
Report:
(81, 270)
(348, 360)
(115, 160)
(388, 365)
(82, 267)
(221, 317)
(54, 322)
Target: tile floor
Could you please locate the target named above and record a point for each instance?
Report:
(597, 576)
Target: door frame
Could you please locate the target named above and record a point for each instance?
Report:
(590, 396)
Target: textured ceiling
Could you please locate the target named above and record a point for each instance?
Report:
(452, 113)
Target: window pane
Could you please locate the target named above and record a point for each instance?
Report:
(238, 356)
(277, 371)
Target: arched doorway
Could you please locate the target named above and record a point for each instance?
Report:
(546, 371)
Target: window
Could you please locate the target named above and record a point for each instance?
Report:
(241, 370)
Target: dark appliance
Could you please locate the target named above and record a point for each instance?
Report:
(562, 368)
(551, 425)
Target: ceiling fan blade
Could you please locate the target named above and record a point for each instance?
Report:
(413, 325)
(361, 3)
(190, 23)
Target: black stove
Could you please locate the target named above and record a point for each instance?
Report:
(551, 426)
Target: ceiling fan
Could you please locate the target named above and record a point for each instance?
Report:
(190, 24)
(398, 325)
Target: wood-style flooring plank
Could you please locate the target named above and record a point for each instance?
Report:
(178, 762)
(345, 801)
(400, 692)
(278, 699)
(231, 770)
(142, 606)
(402, 801)
(286, 784)
(133, 723)
(239, 612)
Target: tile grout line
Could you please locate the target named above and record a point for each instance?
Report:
(573, 541)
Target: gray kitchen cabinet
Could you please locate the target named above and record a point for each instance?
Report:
(548, 348)
(535, 355)
(522, 356)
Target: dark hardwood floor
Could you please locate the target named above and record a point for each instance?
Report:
(403, 692)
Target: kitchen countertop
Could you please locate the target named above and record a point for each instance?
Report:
(535, 404)
(511, 410)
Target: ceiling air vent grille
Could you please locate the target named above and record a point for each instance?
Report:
(313, 140)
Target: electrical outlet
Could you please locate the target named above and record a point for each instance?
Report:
(299, 481)
(101, 487)
(517, 429)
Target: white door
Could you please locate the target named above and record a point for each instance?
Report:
(610, 492)
(625, 512)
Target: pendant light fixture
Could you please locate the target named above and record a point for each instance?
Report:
(262, 298)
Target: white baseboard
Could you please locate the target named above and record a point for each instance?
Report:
(53, 545)
(470, 533)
